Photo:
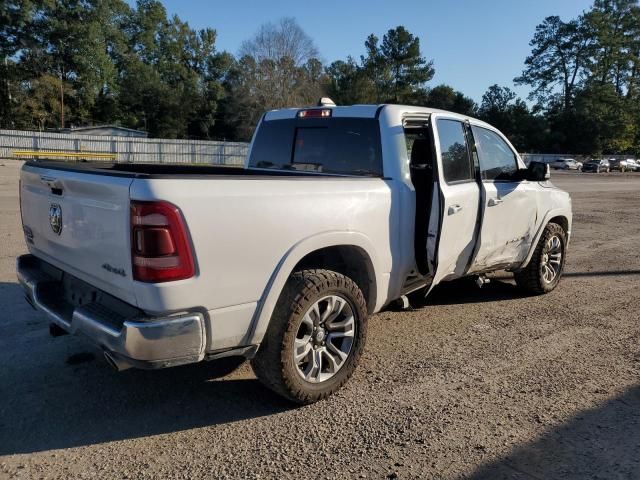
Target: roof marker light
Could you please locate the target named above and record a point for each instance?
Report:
(326, 102)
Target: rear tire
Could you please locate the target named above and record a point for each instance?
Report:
(545, 268)
(307, 367)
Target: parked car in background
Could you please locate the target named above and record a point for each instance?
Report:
(566, 164)
(633, 165)
(619, 165)
(597, 166)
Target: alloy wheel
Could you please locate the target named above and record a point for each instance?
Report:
(324, 339)
(551, 259)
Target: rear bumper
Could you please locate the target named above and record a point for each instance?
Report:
(128, 336)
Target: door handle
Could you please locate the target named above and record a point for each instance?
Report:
(495, 201)
(453, 209)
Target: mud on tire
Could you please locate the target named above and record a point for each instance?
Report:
(274, 363)
(532, 277)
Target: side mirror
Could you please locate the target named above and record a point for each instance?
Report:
(538, 172)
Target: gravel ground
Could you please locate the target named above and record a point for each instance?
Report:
(479, 384)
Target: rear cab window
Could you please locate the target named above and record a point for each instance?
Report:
(335, 145)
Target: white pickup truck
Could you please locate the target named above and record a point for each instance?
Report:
(338, 212)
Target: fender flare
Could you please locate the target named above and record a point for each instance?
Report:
(283, 270)
(559, 212)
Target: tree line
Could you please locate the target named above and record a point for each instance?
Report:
(82, 62)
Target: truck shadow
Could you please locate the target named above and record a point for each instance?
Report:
(501, 287)
(60, 393)
(466, 291)
(598, 443)
(608, 273)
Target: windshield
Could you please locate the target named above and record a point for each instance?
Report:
(348, 146)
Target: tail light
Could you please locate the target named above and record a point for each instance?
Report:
(160, 248)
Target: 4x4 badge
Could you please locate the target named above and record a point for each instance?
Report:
(55, 218)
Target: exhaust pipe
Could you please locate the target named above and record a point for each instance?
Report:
(117, 363)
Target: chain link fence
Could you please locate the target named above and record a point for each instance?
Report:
(125, 149)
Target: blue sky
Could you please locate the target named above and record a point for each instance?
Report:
(473, 43)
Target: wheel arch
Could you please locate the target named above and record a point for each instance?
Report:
(349, 253)
(561, 220)
(349, 260)
(560, 217)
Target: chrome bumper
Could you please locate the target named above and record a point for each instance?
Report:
(129, 338)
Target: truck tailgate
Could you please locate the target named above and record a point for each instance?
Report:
(79, 222)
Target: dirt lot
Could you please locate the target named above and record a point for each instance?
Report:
(480, 384)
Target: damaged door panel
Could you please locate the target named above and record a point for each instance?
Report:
(509, 216)
(508, 226)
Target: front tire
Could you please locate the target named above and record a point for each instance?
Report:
(545, 268)
(315, 338)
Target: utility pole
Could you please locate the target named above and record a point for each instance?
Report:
(6, 73)
(62, 86)
(7, 91)
(61, 101)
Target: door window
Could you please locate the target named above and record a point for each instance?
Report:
(456, 163)
(497, 160)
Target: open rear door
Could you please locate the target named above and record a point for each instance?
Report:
(459, 199)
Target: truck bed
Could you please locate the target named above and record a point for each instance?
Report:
(235, 226)
(158, 170)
